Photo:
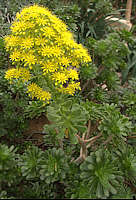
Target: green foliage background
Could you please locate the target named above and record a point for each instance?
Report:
(88, 149)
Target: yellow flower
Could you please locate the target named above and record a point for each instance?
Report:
(24, 74)
(64, 61)
(30, 60)
(75, 63)
(48, 32)
(39, 37)
(9, 75)
(49, 67)
(59, 77)
(57, 24)
(21, 73)
(73, 74)
(27, 43)
(41, 21)
(40, 41)
(16, 55)
(81, 53)
(71, 88)
(11, 41)
(50, 51)
(18, 27)
(35, 91)
(35, 9)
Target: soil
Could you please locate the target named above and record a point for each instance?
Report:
(35, 131)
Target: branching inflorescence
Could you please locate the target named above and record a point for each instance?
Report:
(40, 40)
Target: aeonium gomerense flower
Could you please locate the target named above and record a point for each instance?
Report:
(45, 53)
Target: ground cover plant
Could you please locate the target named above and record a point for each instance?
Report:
(63, 66)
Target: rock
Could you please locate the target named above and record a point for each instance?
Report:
(119, 23)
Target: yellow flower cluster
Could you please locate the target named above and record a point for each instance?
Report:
(71, 88)
(64, 76)
(39, 38)
(35, 91)
(17, 73)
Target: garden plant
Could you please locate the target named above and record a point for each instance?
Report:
(63, 61)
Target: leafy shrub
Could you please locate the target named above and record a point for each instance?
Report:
(63, 115)
(88, 147)
(54, 167)
(30, 163)
(91, 22)
(8, 166)
(101, 174)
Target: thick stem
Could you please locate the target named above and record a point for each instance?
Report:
(131, 136)
(84, 147)
(79, 160)
(83, 154)
(128, 10)
(93, 140)
(89, 129)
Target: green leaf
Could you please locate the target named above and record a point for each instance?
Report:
(99, 190)
(61, 133)
(112, 189)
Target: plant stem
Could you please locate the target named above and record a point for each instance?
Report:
(94, 139)
(89, 129)
(128, 10)
(84, 147)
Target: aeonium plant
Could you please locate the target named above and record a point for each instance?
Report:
(45, 54)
